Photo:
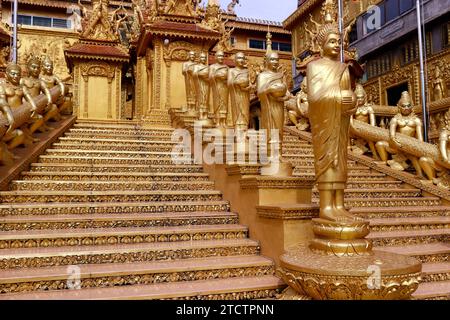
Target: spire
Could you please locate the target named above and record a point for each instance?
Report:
(269, 49)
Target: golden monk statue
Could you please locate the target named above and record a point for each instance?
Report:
(48, 81)
(405, 122)
(439, 91)
(201, 83)
(298, 107)
(239, 87)
(331, 103)
(11, 96)
(32, 87)
(189, 82)
(366, 114)
(272, 92)
(218, 76)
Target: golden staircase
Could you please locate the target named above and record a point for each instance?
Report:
(107, 195)
(404, 219)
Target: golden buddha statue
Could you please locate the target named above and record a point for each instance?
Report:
(48, 81)
(439, 91)
(239, 87)
(405, 122)
(297, 107)
(331, 103)
(189, 82)
(32, 87)
(218, 76)
(11, 96)
(201, 82)
(272, 92)
(366, 114)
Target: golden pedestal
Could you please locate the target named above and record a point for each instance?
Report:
(339, 264)
(375, 276)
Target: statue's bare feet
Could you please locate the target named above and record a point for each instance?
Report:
(347, 216)
(339, 215)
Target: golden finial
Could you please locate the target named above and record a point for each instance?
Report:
(269, 49)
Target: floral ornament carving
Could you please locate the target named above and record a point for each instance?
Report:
(98, 69)
(178, 51)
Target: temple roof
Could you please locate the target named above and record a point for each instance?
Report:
(184, 29)
(87, 50)
(257, 25)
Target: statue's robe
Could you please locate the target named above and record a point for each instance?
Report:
(270, 88)
(218, 74)
(329, 123)
(238, 79)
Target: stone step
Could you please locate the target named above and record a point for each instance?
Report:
(138, 273)
(121, 126)
(409, 223)
(108, 196)
(105, 141)
(433, 291)
(124, 253)
(355, 169)
(427, 253)
(133, 220)
(435, 211)
(434, 272)
(114, 168)
(392, 202)
(112, 236)
(407, 237)
(240, 288)
(110, 153)
(119, 134)
(368, 184)
(371, 194)
(114, 146)
(55, 185)
(115, 208)
(118, 176)
(68, 160)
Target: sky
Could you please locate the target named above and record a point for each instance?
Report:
(275, 10)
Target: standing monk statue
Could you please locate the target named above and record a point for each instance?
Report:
(218, 76)
(272, 92)
(239, 87)
(189, 83)
(331, 103)
(201, 82)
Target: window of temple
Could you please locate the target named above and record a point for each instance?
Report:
(446, 34)
(394, 93)
(40, 21)
(262, 45)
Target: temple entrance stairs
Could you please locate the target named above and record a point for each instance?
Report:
(404, 219)
(106, 213)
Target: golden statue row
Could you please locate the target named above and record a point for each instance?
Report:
(22, 113)
(214, 90)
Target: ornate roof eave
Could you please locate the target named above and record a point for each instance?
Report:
(82, 50)
(306, 7)
(150, 32)
(257, 27)
(95, 57)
